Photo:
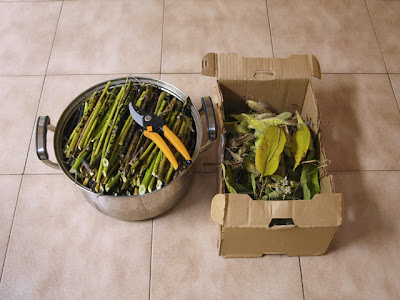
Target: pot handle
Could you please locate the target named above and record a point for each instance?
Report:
(207, 108)
(43, 123)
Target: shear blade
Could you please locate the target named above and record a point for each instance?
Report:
(135, 115)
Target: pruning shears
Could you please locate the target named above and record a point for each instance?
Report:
(154, 127)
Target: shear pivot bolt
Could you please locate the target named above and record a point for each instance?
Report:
(147, 118)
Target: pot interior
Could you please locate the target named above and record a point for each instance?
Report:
(70, 118)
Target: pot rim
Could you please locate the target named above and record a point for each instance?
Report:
(77, 101)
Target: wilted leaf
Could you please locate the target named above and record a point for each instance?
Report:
(238, 117)
(285, 115)
(263, 116)
(301, 141)
(269, 150)
(257, 106)
(258, 125)
(235, 156)
(239, 129)
(237, 141)
(250, 167)
(228, 178)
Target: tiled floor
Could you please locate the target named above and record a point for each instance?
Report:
(54, 245)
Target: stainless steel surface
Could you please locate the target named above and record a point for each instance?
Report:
(207, 109)
(41, 137)
(135, 115)
(212, 129)
(132, 207)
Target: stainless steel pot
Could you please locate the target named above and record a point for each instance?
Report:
(129, 207)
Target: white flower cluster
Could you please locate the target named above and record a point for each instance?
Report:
(282, 187)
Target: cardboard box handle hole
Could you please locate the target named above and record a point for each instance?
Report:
(281, 222)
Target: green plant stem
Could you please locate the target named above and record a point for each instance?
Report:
(146, 180)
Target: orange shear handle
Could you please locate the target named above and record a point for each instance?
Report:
(176, 142)
(157, 139)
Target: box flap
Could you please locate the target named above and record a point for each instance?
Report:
(233, 66)
(239, 210)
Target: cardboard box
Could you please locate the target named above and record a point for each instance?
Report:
(284, 84)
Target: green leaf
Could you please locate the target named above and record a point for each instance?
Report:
(269, 150)
(228, 179)
(301, 141)
(253, 183)
(240, 188)
(304, 182)
(313, 180)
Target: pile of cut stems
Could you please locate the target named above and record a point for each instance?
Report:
(106, 150)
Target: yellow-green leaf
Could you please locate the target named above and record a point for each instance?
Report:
(228, 177)
(301, 141)
(269, 150)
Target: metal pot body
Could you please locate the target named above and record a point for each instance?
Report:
(129, 207)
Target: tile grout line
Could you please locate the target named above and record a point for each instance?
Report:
(376, 36)
(270, 30)
(30, 141)
(383, 57)
(162, 37)
(44, 80)
(151, 255)
(394, 94)
(301, 277)
(341, 171)
(152, 220)
(175, 73)
(9, 235)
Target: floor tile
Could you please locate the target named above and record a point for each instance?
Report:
(62, 248)
(99, 37)
(364, 255)
(194, 28)
(385, 17)
(58, 92)
(197, 86)
(10, 186)
(26, 35)
(360, 121)
(339, 33)
(20, 97)
(186, 265)
(395, 80)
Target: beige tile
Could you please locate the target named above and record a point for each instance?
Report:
(62, 248)
(58, 92)
(385, 17)
(360, 121)
(364, 255)
(27, 32)
(197, 86)
(339, 33)
(194, 28)
(20, 97)
(9, 193)
(101, 37)
(186, 265)
(395, 80)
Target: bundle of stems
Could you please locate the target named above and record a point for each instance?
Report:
(107, 151)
